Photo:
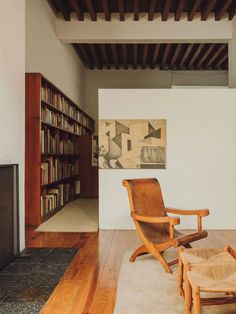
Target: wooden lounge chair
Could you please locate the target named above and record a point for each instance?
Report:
(154, 226)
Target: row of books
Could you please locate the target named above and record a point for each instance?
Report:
(60, 102)
(87, 122)
(53, 169)
(52, 143)
(60, 121)
(58, 196)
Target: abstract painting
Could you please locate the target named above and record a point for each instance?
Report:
(132, 144)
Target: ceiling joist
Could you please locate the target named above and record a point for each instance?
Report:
(121, 9)
(179, 10)
(106, 10)
(91, 10)
(77, 9)
(208, 9)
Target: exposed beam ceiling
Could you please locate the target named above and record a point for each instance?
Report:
(163, 8)
(145, 38)
(164, 56)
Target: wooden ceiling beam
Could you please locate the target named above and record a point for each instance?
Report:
(215, 56)
(77, 9)
(195, 55)
(221, 60)
(232, 11)
(151, 10)
(63, 10)
(194, 9)
(155, 56)
(95, 56)
(175, 55)
(75, 46)
(205, 55)
(179, 10)
(83, 52)
(186, 54)
(91, 10)
(105, 56)
(135, 56)
(165, 55)
(166, 10)
(125, 55)
(219, 14)
(115, 56)
(136, 10)
(106, 10)
(145, 55)
(121, 9)
(208, 9)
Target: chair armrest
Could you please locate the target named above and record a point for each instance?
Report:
(198, 212)
(152, 219)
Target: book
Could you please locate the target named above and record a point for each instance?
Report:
(54, 198)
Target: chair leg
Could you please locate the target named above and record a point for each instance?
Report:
(139, 251)
(196, 300)
(162, 261)
(187, 293)
(180, 277)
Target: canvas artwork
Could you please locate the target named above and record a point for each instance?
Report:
(132, 144)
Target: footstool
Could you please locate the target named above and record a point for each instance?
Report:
(215, 278)
(198, 269)
(202, 256)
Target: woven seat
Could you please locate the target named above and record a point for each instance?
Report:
(202, 256)
(206, 256)
(213, 278)
(207, 270)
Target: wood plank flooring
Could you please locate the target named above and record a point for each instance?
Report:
(89, 284)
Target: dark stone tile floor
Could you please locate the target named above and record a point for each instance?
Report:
(27, 282)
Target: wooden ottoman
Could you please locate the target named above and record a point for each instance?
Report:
(210, 270)
(215, 278)
(202, 256)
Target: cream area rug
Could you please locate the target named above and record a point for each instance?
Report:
(80, 215)
(145, 287)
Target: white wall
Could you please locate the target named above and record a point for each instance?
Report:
(96, 79)
(12, 87)
(201, 153)
(47, 55)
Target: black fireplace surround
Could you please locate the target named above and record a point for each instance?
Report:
(9, 213)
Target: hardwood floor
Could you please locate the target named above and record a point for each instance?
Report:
(89, 284)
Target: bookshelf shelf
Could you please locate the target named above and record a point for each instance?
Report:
(60, 155)
(65, 114)
(60, 181)
(58, 128)
(54, 126)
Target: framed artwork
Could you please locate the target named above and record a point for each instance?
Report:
(95, 150)
(132, 144)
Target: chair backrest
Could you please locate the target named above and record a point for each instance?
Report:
(145, 196)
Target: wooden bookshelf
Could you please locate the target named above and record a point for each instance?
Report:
(54, 126)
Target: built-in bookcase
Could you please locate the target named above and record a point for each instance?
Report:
(54, 126)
